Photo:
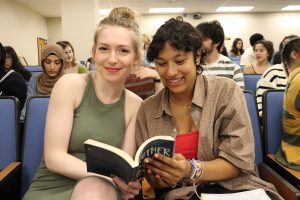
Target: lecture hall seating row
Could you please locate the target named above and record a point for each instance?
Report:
(22, 172)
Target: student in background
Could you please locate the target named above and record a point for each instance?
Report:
(277, 55)
(288, 154)
(92, 106)
(274, 77)
(237, 48)
(11, 83)
(263, 51)
(210, 111)
(144, 79)
(52, 64)
(215, 63)
(12, 62)
(71, 66)
(248, 56)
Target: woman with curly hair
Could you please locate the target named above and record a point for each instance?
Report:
(263, 51)
(208, 116)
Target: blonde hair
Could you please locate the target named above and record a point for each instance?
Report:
(124, 17)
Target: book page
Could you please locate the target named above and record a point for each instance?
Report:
(258, 194)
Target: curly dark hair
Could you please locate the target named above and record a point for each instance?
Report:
(255, 38)
(212, 30)
(179, 34)
(268, 45)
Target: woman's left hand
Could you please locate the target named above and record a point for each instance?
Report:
(164, 171)
(129, 190)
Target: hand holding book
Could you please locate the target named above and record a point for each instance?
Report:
(110, 161)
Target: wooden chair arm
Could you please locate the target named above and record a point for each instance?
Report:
(9, 169)
(284, 188)
(10, 181)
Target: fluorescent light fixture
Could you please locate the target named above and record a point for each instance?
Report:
(235, 9)
(291, 7)
(104, 11)
(166, 10)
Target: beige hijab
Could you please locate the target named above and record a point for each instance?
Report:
(45, 83)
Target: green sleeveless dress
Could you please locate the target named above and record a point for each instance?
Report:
(92, 120)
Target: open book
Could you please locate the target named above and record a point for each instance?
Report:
(258, 194)
(110, 161)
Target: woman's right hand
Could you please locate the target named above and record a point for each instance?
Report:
(163, 171)
(129, 190)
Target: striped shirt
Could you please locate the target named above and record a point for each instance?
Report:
(226, 68)
(289, 152)
(273, 78)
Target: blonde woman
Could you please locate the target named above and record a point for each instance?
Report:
(92, 106)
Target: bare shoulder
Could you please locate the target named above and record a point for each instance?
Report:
(70, 87)
(69, 81)
(133, 101)
(248, 69)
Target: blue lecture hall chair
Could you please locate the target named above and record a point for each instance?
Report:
(9, 140)
(253, 113)
(272, 114)
(33, 141)
(266, 172)
(251, 81)
(235, 59)
(35, 69)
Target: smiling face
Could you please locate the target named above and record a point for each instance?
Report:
(176, 69)
(261, 53)
(114, 53)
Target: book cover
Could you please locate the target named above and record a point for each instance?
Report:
(110, 161)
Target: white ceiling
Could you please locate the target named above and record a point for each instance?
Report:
(52, 8)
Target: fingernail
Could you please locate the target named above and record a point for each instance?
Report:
(156, 155)
(146, 160)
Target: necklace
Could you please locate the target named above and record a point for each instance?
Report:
(185, 106)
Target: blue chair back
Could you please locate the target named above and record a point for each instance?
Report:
(9, 130)
(33, 146)
(251, 81)
(35, 69)
(235, 59)
(272, 114)
(253, 112)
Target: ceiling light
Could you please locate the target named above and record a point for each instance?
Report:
(235, 9)
(166, 10)
(104, 11)
(291, 7)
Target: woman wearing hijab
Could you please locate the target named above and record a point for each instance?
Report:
(52, 63)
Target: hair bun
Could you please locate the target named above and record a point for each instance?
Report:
(122, 13)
